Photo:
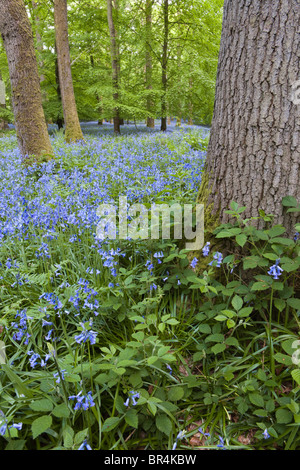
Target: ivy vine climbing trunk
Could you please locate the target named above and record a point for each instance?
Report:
(73, 130)
(254, 150)
(31, 128)
(115, 61)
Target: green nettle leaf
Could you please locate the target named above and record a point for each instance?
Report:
(245, 312)
(241, 239)
(41, 405)
(40, 425)
(256, 399)
(283, 416)
(175, 393)
(68, 435)
(204, 328)
(215, 338)
(110, 423)
(289, 201)
(237, 302)
(164, 424)
(80, 436)
(294, 303)
(218, 348)
(61, 411)
(259, 286)
(280, 304)
(251, 262)
(131, 418)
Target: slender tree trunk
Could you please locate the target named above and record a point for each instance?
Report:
(72, 124)
(254, 149)
(31, 128)
(149, 4)
(115, 61)
(59, 120)
(38, 37)
(3, 123)
(165, 66)
(191, 106)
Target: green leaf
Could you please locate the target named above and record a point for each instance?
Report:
(61, 411)
(175, 393)
(237, 302)
(245, 312)
(110, 423)
(41, 405)
(164, 424)
(283, 416)
(131, 418)
(215, 338)
(289, 201)
(296, 376)
(68, 435)
(256, 399)
(260, 286)
(294, 303)
(40, 425)
(241, 239)
(218, 348)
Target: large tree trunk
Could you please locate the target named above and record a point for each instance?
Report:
(150, 120)
(72, 125)
(254, 149)
(32, 132)
(165, 66)
(115, 61)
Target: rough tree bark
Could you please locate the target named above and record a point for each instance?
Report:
(164, 65)
(149, 4)
(254, 149)
(115, 61)
(73, 130)
(31, 128)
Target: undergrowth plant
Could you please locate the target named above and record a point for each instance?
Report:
(127, 344)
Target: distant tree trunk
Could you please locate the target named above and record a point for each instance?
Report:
(149, 4)
(3, 123)
(254, 149)
(115, 61)
(31, 128)
(73, 130)
(191, 106)
(165, 66)
(39, 41)
(59, 119)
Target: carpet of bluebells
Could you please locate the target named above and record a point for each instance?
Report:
(120, 344)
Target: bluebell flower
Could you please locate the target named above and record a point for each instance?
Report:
(82, 401)
(132, 398)
(266, 434)
(85, 445)
(221, 444)
(86, 335)
(179, 436)
(194, 263)
(218, 257)
(206, 249)
(276, 270)
(204, 433)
